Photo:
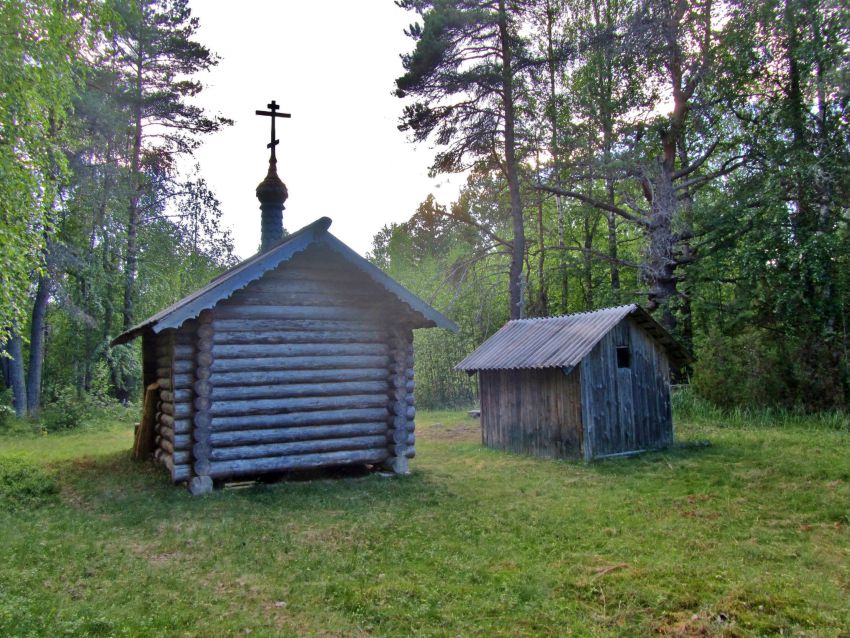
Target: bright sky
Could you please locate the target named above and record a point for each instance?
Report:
(330, 64)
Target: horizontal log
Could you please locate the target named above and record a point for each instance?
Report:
(183, 409)
(182, 426)
(309, 433)
(186, 335)
(164, 362)
(166, 396)
(244, 351)
(164, 383)
(165, 444)
(183, 366)
(411, 438)
(411, 412)
(166, 408)
(298, 363)
(289, 312)
(411, 452)
(182, 457)
(277, 406)
(181, 352)
(183, 380)
(289, 283)
(319, 417)
(397, 435)
(244, 467)
(273, 377)
(164, 372)
(300, 336)
(298, 390)
(181, 473)
(340, 274)
(165, 420)
(182, 441)
(262, 325)
(183, 395)
(296, 447)
(166, 432)
(320, 299)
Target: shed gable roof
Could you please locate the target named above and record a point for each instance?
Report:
(555, 342)
(255, 267)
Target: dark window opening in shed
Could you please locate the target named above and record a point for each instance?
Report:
(624, 358)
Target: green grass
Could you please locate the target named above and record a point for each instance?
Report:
(746, 537)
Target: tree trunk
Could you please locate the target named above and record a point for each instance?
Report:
(38, 329)
(131, 257)
(517, 301)
(660, 264)
(15, 348)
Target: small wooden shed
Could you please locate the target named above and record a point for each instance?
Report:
(586, 385)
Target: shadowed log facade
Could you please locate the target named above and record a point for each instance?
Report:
(306, 362)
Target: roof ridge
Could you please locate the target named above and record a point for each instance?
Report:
(576, 314)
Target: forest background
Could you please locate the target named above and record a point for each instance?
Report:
(688, 156)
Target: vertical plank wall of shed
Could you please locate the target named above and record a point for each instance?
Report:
(625, 409)
(301, 367)
(532, 411)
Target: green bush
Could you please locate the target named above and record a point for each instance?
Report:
(65, 411)
(6, 410)
(24, 484)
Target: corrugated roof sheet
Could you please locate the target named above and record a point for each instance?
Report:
(557, 342)
(255, 267)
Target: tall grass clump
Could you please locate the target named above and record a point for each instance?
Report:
(689, 406)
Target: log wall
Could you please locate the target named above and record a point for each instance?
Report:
(304, 368)
(532, 411)
(174, 365)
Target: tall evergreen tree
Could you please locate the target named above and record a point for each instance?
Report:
(466, 75)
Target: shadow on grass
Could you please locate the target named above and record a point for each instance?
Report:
(135, 493)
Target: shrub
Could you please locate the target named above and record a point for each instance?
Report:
(24, 484)
(66, 411)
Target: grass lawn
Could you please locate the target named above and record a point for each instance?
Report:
(746, 537)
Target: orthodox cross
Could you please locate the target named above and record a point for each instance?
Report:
(272, 113)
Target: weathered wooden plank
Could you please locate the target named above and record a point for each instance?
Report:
(281, 377)
(288, 405)
(319, 417)
(181, 473)
(291, 434)
(286, 312)
(300, 336)
(297, 390)
(246, 351)
(295, 447)
(244, 467)
(295, 325)
(298, 363)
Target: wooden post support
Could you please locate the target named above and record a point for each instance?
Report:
(400, 372)
(201, 482)
(144, 444)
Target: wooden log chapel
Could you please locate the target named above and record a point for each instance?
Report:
(299, 357)
(588, 385)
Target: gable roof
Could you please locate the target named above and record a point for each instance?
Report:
(556, 342)
(255, 267)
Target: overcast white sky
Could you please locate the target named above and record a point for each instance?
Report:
(330, 64)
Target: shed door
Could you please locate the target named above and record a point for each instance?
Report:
(608, 396)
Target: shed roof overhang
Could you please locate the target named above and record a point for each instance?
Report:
(562, 342)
